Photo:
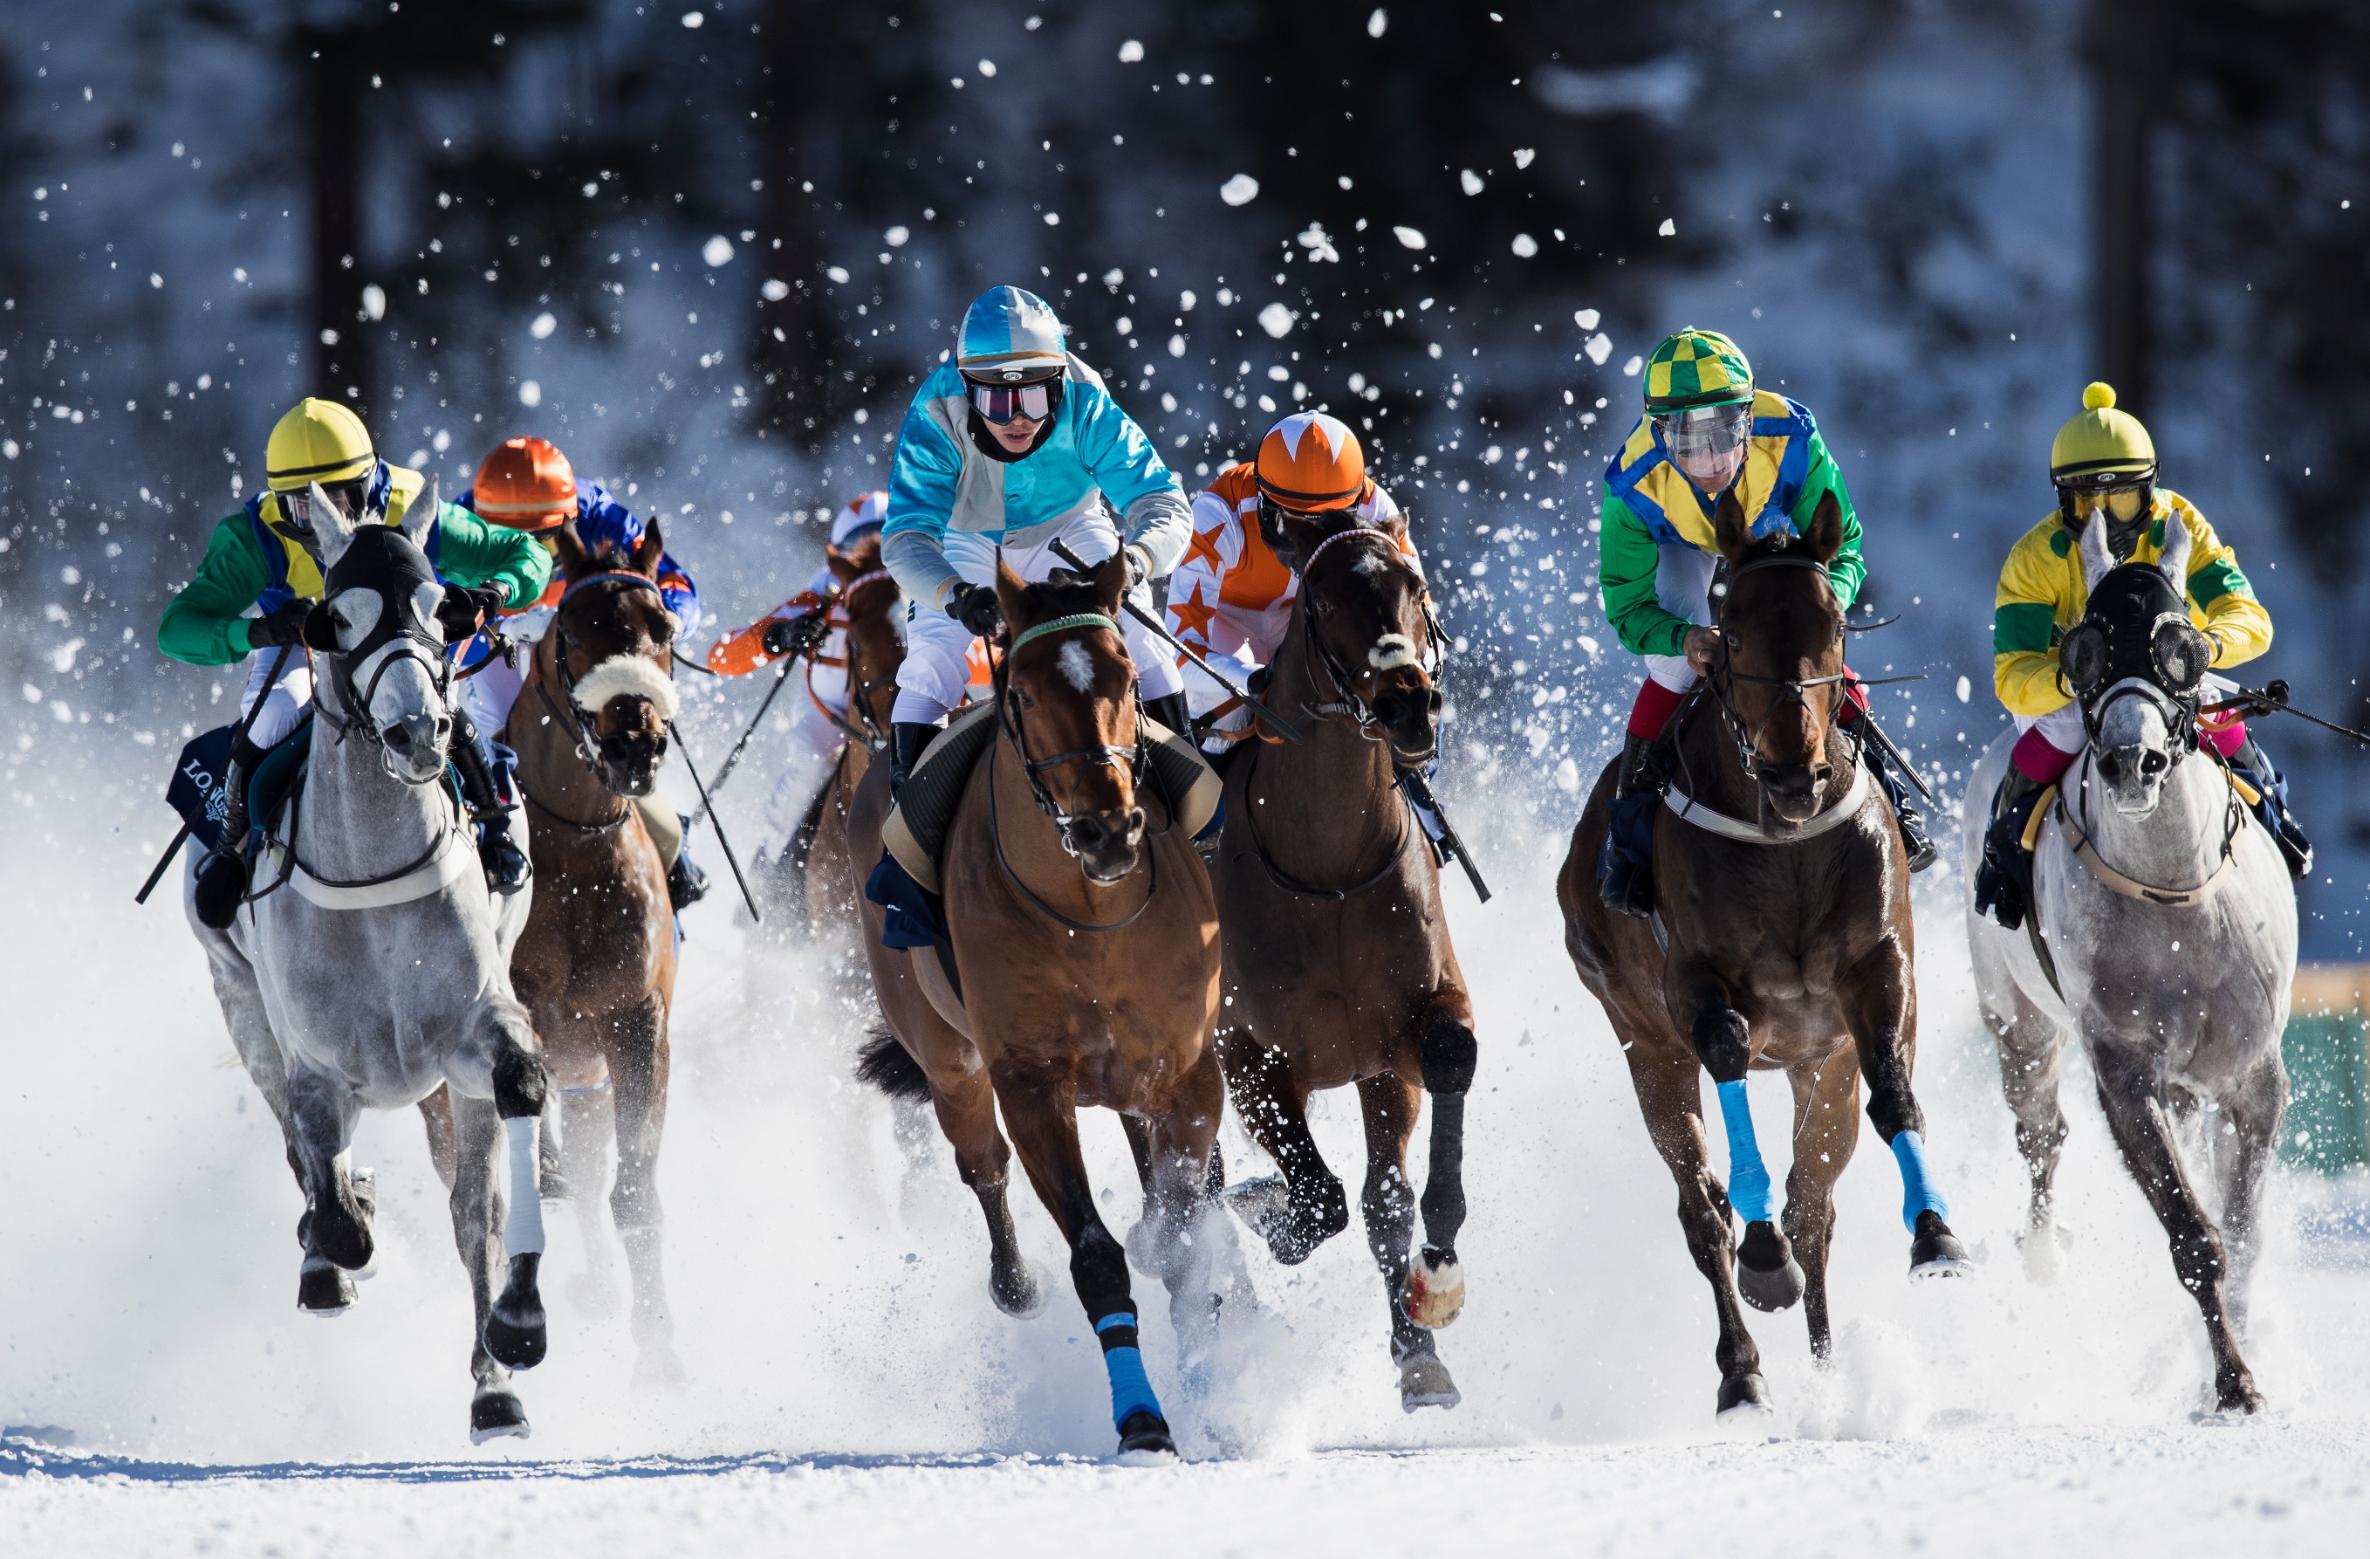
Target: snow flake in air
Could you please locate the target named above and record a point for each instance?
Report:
(1377, 22)
(374, 302)
(1525, 246)
(1276, 320)
(1409, 237)
(1240, 190)
(717, 250)
(1585, 318)
(1598, 347)
(1130, 52)
(530, 394)
(693, 19)
(1668, 229)
(1470, 180)
(775, 289)
(545, 324)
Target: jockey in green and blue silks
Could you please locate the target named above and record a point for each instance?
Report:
(1013, 445)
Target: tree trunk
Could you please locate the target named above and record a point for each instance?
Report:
(795, 339)
(2125, 58)
(333, 94)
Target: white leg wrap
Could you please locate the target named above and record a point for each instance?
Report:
(522, 1233)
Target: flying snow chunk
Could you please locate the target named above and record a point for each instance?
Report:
(1585, 318)
(1598, 347)
(838, 273)
(1630, 368)
(154, 280)
(1377, 22)
(717, 250)
(897, 236)
(1965, 688)
(1523, 155)
(775, 290)
(987, 67)
(544, 325)
(530, 393)
(374, 302)
(1130, 52)
(1525, 245)
(1471, 181)
(1240, 190)
(693, 19)
(1409, 237)
(1276, 320)
(1668, 228)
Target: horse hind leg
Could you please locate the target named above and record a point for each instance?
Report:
(494, 1409)
(637, 1057)
(1389, 1104)
(2250, 1116)
(1185, 1239)
(1826, 1128)
(2031, 1048)
(1306, 1206)
(1448, 1053)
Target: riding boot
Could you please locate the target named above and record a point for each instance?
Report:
(1914, 837)
(1625, 879)
(222, 875)
(2003, 883)
(486, 768)
(2255, 767)
(1172, 711)
(908, 740)
(686, 883)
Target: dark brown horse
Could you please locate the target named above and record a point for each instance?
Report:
(1086, 942)
(1338, 962)
(866, 613)
(1783, 893)
(596, 965)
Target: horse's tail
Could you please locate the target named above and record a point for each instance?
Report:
(886, 1064)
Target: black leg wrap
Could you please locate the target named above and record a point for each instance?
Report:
(521, 1082)
(1449, 1053)
(1724, 1044)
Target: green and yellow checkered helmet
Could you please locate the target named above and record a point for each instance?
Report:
(2103, 447)
(1697, 368)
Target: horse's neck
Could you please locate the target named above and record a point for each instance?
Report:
(550, 763)
(358, 820)
(1323, 804)
(2174, 846)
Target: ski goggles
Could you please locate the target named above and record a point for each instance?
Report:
(297, 505)
(2122, 498)
(1002, 403)
(1704, 431)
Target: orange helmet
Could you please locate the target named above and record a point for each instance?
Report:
(1311, 461)
(526, 484)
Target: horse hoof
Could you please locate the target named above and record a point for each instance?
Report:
(1266, 1205)
(1435, 1291)
(2044, 1251)
(658, 1367)
(1019, 1293)
(497, 1415)
(324, 1291)
(515, 1332)
(1745, 1395)
(1144, 1441)
(1767, 1275)
(1936, 1252)
(2235, 1393)
(1425, 1382)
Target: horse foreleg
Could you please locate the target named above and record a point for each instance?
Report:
(494, 1409)
(2130, 1093)
(966, 1108)
(635, 1046)
(1040, 1110)
(1767, 1275)
(501, 1060)
(1670, 1098)
(1388, 1104)
(1448, 1053)
(1880, 1008)
(436, 1116)
(1311, 1207)
(1826, 1127)
(2030, 1046)
(1184, 1239)
(2251, 1114)
(335, 1227)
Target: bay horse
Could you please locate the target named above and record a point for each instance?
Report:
(371, 968)
(2170, 924)
(1339, 968)
(870, 619)
(1781, 940)
(596, 965)
(1085, 939)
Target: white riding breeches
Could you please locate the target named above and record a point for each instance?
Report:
(285, 697)
(1683, 586)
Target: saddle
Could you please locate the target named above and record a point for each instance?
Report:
(196, 791)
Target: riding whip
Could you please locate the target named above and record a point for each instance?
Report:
(1893, 755)
(732, 758)
(1285, 728)
(707, 809)
(1421, 792)
(237, 736)
(2273, 699)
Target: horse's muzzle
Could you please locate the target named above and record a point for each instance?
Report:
(2134, 777)
(628, 763)
(1796, 789)
(1410, 720)
(1107, 844)
(414, 747)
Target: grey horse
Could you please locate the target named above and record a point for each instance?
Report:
(2171, 924)
(380, 969)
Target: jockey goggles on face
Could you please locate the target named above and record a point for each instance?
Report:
(2079, 498)
(1002, 403)
(1704, 430)
(297, 506)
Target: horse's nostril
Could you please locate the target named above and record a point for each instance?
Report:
(399, 738)
(1822, 774)
(1135, 825)
(1435, 701)
(1085, 832)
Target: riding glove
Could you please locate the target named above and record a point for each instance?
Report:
(974, 606)
(795, 635)
(465, 609)
(286, 623)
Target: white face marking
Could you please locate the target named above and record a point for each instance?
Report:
(355, 612)
(1391, 651)
(1370, 561)
(426, 597)
(1077, 666)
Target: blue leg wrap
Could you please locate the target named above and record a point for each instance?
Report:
(1131, 1390)
(1917, 1187)
(1748, 1177)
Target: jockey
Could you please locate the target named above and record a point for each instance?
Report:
(1012, 446)
(259, 583)
(1230, 601)
(1706, 430)
(526, 486)
(2104, 463)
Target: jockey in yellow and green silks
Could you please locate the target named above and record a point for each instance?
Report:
(2103, 464)
(1706, 431)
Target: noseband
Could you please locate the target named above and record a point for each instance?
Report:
(1346, 704)
(566, 707)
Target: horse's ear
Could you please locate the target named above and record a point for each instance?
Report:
(1012, 594)
(2178, 544)
(330, 526)
(1110, 582)
(843, 568)
(2097, 556)
(1826, 528)
(568, 549)
(651, 549)
(419, 516)
(1394, 525)
(1730, 528)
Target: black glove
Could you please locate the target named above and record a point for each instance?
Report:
(795, 635)
(1139, 567)
(974, 606)
(465, 609)
(284, 624)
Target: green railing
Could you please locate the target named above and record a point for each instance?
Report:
(2327, 1048)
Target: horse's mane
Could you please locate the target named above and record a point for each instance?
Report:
(1062, 595)
(865, 554)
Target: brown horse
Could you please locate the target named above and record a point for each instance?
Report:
(596, 965)
(867, 613)
(1086, 943)
(1338, 963)
(1783, 893)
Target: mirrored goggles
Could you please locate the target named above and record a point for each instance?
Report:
(297, 506)
(1002, 403)
(2123, 501)
(1705, 430)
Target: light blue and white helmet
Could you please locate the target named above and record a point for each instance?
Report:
(1010, 336)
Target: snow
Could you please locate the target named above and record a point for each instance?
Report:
(1276, 320)
(1240, 190)
(1409, 237)
(717, 250)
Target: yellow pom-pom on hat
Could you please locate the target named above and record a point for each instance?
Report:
(2102, 446)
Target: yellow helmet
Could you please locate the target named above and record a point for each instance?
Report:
(2102, 446)
(318, 441)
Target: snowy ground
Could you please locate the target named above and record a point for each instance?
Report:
(853, 1389)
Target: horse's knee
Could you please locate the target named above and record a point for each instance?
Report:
(1449, 1053)
(1724, 1043)
(1892, 1109)
(522, 1083)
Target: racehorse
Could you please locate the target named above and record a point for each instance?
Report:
(1085, 941)
(1781, 940)
(1338, 963)
(373, 966)
(873, 631)
(2170, 931)
(596, 965)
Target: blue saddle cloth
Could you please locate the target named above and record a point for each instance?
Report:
(197, 792)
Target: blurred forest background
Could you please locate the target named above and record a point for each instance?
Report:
(708, 246)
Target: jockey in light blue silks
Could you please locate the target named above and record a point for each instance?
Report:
(1014, 445)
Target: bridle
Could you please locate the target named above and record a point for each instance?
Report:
(865, 727)
(1792, 690)
(1346, 704)
(402, 641)
(565, 708)
(1008, 716)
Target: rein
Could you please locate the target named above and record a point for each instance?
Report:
(865, 727)
(2085, 846)
(1347, 705)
